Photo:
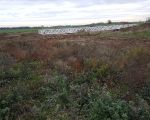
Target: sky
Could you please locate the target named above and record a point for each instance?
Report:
(15, 13)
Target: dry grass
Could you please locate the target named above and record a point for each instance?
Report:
(66, 70)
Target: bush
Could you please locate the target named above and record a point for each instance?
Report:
(105, 108)
(27, 70)
(62, 86)
(139, 109)
(21, 71)
(9, 101)
(8, 75)
(145, 93)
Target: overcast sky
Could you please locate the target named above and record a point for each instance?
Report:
(62, 12)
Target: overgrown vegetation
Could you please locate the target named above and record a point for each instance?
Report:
(100, 77)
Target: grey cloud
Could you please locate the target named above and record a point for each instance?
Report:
(14, 11)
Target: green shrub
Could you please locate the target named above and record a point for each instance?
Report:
(21, 71)
(27, 70)
(99, 74)
(139, 109)
(8, 102)
(145, 92)
(105, 108)
(63, 90)
(8, 75)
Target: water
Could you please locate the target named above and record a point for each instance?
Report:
(87, 28)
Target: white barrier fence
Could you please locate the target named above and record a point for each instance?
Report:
(88, 29)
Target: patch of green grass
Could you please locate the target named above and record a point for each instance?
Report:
(19, 30)
(145, 34)
(136, 34)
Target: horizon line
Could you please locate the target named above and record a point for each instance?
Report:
(61, 25)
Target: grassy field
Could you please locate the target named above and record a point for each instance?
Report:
(82, 76)
(18, 30)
